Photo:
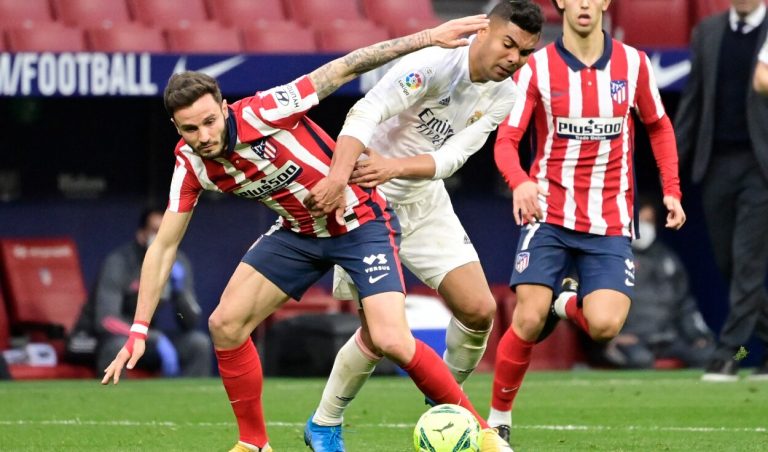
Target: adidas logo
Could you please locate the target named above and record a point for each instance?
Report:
(445, 101)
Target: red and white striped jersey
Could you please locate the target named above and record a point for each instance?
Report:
(583, 135)
(275, 155)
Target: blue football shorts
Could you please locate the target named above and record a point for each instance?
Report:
(547, 253)
(293, 262)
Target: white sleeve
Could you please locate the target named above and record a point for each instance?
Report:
(400, 88)
(457, 149)
(763, 57)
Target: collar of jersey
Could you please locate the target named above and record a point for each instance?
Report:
(577, 65)
(231, 132)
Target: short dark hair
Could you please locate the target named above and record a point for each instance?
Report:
(524, 13)
(184, 88)
(147, 212)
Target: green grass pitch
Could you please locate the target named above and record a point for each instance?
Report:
(556, 411)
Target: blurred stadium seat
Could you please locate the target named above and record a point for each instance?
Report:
(314, 13)
(245, 12)
(652, 23)
(551, 15)
(18, 13)
(169, 13)
(91, 13)
(699, 9)
(207, 39)
(401, 17)
(42, 280)
(343, 36)
(278, 37)
(127, 37)
(45, 37)
(5, 329)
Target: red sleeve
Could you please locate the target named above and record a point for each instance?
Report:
(665, 152)
(277, 108)
(647, 98)
(507, 148)
(185, 187)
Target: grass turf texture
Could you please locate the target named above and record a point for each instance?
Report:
(566, 411)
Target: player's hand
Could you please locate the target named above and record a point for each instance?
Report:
(373, 171)
(675, 213)
(115, 368)
(327, 197)
(453, 33)
(525, 202)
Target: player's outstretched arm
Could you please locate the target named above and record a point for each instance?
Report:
(155, 269)
(329, 77)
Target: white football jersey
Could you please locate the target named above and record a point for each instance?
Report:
(427, 104)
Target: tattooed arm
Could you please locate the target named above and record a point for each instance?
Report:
(329, 77)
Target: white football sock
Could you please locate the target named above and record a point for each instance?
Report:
(496, 418)
(464, 349)
(353, 365)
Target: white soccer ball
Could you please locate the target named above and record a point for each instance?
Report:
(446, 428)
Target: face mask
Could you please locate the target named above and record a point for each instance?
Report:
(647, 236)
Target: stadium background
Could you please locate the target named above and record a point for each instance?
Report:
(85, 166)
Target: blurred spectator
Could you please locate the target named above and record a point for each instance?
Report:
(174, 345)
(721, 126)
(664, 320)
(761, 71)
(5, 374)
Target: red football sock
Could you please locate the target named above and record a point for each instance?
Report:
(240, 370)
(513, 356)
(575, 313)
(430, 374)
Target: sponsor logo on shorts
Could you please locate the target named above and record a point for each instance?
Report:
(521, 261)
(629, 271)
(376, 263)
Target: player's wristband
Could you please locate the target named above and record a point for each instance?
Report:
(139, 330)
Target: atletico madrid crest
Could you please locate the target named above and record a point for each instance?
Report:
(521, 261)
(619, 91)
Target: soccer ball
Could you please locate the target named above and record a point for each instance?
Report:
(446, 428)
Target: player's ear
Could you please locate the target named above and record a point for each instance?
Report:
(606, 4)
(175, 126)
(224, 108)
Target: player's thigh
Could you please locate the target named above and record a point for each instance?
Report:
(466, 292)
(543, 258)
(606, 272)
(434, 240)
(387, 326)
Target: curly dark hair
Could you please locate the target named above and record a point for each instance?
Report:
(524, 13)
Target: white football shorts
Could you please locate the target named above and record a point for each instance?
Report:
(433, 242)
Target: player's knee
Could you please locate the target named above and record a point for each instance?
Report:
(603, 330)
(394, 348)
(479, 314)
(529, 322)
(225, 332)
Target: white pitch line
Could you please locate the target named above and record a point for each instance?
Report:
(580, 428)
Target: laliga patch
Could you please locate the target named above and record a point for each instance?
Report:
(521, 261)
(411, 82)
(286, 97)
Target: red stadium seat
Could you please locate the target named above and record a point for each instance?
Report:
(245, 12)
(652, 23)
(42, 280)
(126, 38)
(345, 36)
(5, 329)
(391, 12)
(18, 13)
(92, 13)
(169, 13)
(51, 37)
(204, 40)
(704, 8)
(409, 26)
(315, 13)
(278, 37)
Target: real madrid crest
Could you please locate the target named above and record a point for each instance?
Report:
(475, 116)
